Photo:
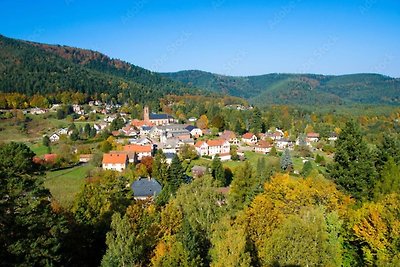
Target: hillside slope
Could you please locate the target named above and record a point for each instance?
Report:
(32, 68)
(308, 89)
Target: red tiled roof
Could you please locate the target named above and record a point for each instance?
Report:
(199, 144)
(248, 135)
(137, 148)
(115, 158)
(217, 142)
(140, 123)
(313, 135)
(264, 144)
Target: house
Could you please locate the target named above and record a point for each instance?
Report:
(141, 141)
(169, 157)
(332, 136)
(137, 152)
(313, 137)
(145, 188)
(284, 143)
(37, 111)
(115, 161)
(201, 148)
(249, 138)
(230, 137)
(84, 158)
(63, 131)
(195, 132)
(276, 135)
(54, 137)
(145, 130)
(156, 119)
(129, 130)
(263, 147)
(213, 147)
(218, 146)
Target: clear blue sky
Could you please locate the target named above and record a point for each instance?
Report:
(223, 36)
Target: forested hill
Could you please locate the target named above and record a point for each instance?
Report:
(32, 68)
(308, 89)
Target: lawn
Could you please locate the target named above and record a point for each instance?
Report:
(38, 148)
(65, 184)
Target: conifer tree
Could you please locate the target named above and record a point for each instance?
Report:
(353, 168)
(286, 161)
(217, 171)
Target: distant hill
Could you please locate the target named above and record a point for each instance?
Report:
(305, 89)
(31, 68)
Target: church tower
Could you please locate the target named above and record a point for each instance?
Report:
(146, 114)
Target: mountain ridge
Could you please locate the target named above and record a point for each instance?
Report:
(289, 88)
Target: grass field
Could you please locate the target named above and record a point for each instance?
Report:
(38, 148)
(65, 184)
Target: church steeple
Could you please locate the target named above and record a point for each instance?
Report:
(146, 114)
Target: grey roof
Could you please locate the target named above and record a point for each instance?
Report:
(190, 127)
(154, 116)
(145, 187)
(169, 155)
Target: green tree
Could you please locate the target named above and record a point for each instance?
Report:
(160, 167)
(389, 179)
(31, 233)
(46, 141)
(132, 237)
(286, 161)
(176, 173)
(229, 244)
(302, 240)
(307, 168)
(256, 121)
(353, 167)
(74, 135)
(273, 152)
(390, 147)
(242, 187)
(102, 195)
(217, 171)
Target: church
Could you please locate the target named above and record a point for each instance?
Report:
(156, 119)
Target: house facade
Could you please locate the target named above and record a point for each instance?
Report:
(263, 147)
(137, 152)
(115, 161)
(249, 138)
(213, 147)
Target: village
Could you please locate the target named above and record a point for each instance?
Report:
(140, 139)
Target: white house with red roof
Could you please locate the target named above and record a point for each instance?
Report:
(115, 161)
(313, 137)
(213, 147)
(137, 152)
(249, 138)
(263, 147)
